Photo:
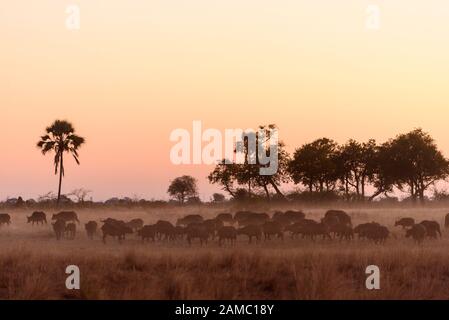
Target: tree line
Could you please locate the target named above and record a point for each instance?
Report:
(409, 162)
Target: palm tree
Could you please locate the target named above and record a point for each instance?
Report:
(60, 138)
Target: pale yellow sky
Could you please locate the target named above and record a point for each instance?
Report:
(138, 69)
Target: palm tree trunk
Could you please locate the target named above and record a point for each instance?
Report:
(61, 169)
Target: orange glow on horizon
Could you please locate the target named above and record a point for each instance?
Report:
(137, 70)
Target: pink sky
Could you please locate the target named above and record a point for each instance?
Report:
(136, 70)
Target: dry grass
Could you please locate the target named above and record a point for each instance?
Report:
(32, 264)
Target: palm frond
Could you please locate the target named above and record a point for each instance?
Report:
(76, 159)
(76, 140)
(60, 138)
(45, 137)
(60, 128)
(47, 146)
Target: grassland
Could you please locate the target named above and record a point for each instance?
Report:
(32, 263)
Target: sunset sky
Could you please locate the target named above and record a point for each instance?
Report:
(138, 69)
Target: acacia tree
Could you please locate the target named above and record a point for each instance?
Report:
(380, 171)
(182, 188)
(315, 165)
(231, 175)
(415, 163)
(369, 151)
(49, 196)
(218, 198)
(80, 194)
(355, 162)
(281, 176)
(60, 138)
(225, 175)
(410, 162)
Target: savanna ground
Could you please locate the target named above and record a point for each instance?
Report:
(33, 263)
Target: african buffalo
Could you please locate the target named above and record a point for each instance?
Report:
(37, 217)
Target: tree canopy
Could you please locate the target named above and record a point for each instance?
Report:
(410, 162)
(183, 188)
(60, 138)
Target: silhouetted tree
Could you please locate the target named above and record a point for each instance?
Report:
(20, 202)
(225, 175)
(232, 175)
(218, 198)
(241, 195)
(369, 151)
(355, 162)
(380, 171)
(193, 200)
(315, 165)
(440, 195)
(48, 197)
(183, 188)
(410, 162)
(60, 137)
(414, 162)
(80, 194)
(281, 176)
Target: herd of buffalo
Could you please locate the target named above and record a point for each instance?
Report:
(226, 227)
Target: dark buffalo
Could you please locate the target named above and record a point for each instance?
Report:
(295, 229)
(417, 232)
(240, 215)
(252, 221)
(188, 219)
(112, 220)
(302, 227)
(197, 231)
(179, 232)
(251, 231)
(225, 218)
(227, 233)
(334, 224)
(377, 233)
(115, 229)
(365, 229)
(344, 232)
(147, 232)
(59, 229)
(5, 219)
(67, 216)
(271, 228)
(70, 231)
(212, 225)
(405, 222)
(135, 224)
(342, 216)
(245, 215)
(37, 217)
(91, 229)
(165, 229)
(314, 230)
(277, 215)
(281, 219)
(432, 228)
(294, 216)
